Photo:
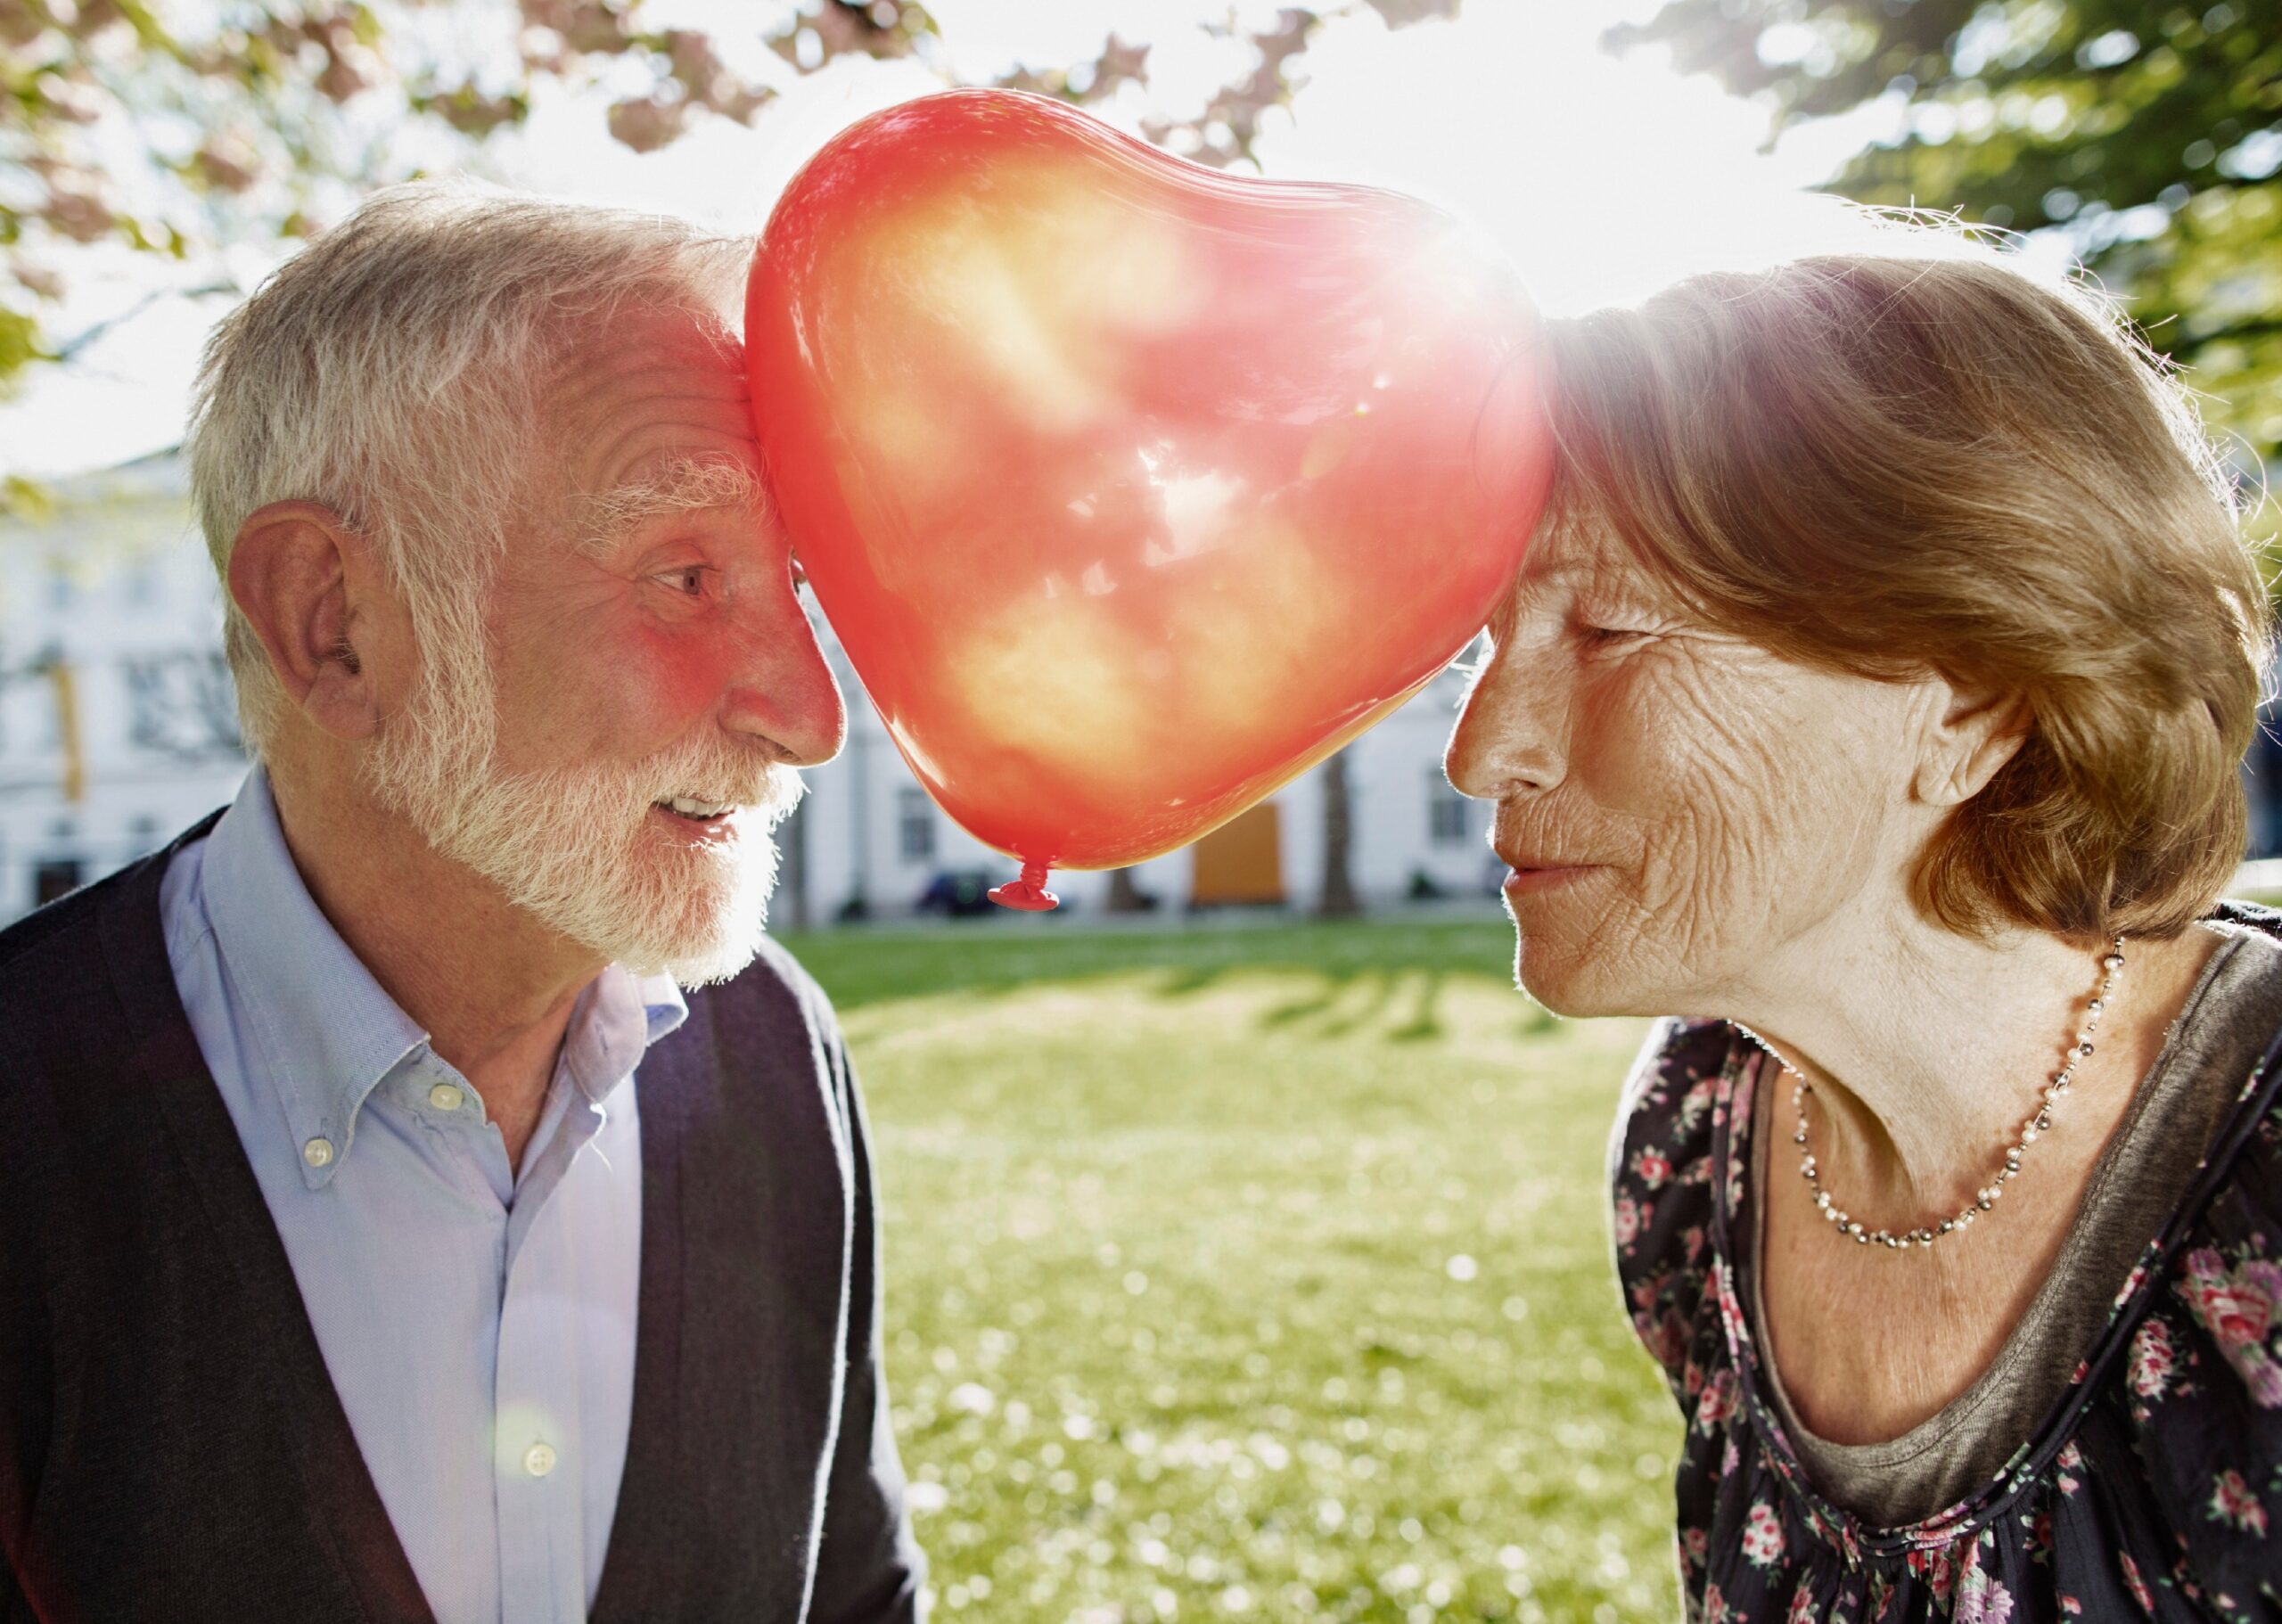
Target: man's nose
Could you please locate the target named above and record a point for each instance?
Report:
(1512, 737)
(783, 690)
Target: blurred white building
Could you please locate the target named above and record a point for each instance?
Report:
(868, 832)
(116, 725)
(117, 730)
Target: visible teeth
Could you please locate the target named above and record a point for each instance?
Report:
(695, 808)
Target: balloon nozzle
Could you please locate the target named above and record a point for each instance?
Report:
(1027, 894)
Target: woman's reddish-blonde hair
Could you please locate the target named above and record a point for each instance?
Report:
(1896, 465)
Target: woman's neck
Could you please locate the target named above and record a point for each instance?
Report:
(1927, 1050)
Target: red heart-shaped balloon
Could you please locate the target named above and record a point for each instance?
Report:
(1132, 488)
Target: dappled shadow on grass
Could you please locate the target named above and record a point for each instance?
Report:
(1425, 1023)
(1341, 1015)
(1195, 978)
(1535, 1017)
(857, 966)
(1365, 1010)
(1313, 1004)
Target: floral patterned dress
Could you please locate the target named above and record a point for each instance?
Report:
(2152, 1490)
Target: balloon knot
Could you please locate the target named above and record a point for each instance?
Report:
(1027, 894)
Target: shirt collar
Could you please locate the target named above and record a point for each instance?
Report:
(331, 1031)
(618, 1017)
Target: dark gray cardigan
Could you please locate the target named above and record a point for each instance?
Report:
(170, 1443)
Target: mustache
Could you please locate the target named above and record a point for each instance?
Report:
(753, 779)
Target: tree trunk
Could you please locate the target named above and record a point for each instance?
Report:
(1338, 900)
(1124, 896)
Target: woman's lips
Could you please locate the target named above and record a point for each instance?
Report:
(1531, 880)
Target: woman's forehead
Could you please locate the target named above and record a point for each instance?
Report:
(1582, 549)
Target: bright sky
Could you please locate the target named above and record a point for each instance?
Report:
(1602, 177)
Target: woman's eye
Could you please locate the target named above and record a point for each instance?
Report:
(1609, 636)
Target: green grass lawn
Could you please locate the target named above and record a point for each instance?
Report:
(1254, 1273)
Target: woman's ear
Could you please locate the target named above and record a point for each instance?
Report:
(295, 573)
(1969, 734)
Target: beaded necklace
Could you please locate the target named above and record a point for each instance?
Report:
(2038, 1123)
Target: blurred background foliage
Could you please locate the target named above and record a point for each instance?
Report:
(181, 128)
(2151, 135)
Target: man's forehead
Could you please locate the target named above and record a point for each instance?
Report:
(642, 348)
(646, 387)
(632, 337)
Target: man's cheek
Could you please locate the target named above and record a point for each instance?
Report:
(680, 692)
(652, 690)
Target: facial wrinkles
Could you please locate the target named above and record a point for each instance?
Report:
(658, 388)
(750, 632)
(573, 845)
(1727, 790)
(1538, 689)
(664, 426)
(645, 658)
(1709, 738)
(659, 406)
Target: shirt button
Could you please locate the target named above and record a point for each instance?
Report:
(446, 1096)
(318, 1152)
(538, 1460)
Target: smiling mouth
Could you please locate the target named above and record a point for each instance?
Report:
(693, 811)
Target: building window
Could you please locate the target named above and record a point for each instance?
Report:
(182, 705)
(914, 825)
(1447, 810)
(54, 877)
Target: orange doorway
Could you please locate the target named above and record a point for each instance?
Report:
(1240, 861)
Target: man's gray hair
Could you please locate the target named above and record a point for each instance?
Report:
(394, 372)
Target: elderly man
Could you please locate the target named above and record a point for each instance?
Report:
(385, 1236)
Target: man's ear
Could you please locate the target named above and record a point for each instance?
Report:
(1971, 733)
(301, 579)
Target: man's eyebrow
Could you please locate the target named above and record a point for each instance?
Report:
(605, 519)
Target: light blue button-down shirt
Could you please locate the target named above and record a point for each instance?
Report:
(478, 1322)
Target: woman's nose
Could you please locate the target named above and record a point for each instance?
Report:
(1512, 734)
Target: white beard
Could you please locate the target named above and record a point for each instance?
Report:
(577, 846)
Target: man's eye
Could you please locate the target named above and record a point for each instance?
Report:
(689, 580)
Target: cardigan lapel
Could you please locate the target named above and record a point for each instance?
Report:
(739, 1350)
(645, 1558)
(307, 1417)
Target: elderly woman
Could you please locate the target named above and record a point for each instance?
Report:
(1873, 696)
